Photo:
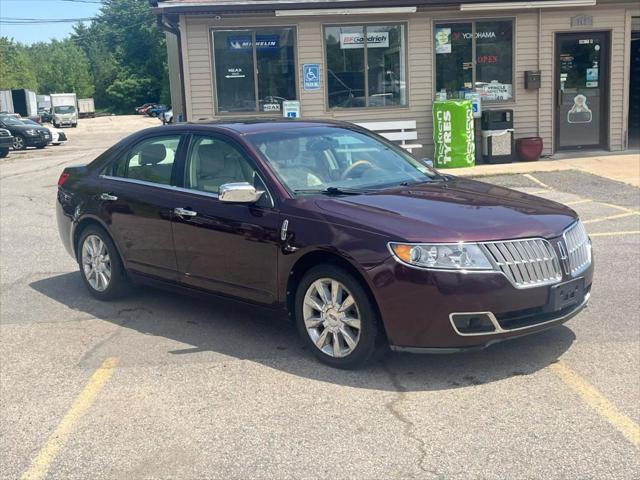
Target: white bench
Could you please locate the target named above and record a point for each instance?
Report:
(402, 131)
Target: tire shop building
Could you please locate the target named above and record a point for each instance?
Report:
(569, 69)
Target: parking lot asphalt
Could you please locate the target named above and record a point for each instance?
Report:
(161, 385)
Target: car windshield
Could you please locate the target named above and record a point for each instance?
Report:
(9, 120)
(28, 121)
(64, 109)
(334, 159)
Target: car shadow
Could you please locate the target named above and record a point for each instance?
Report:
(260, 335)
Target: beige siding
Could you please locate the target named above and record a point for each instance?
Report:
(604, 19)
(533, 109)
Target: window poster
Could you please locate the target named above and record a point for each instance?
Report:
(443, 40)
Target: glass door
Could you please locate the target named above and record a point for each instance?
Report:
(582, 101)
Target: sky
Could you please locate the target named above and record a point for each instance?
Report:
(45, 9)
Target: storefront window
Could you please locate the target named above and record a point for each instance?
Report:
(255, 69)
(378, 50)
(486, 67)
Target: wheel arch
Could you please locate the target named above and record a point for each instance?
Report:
(319, 257)
(82, 225)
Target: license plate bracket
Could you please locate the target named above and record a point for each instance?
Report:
(566, 294)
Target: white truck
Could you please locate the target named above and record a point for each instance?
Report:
(44, 103)
(86, 108)
(6, 101)
(64, 109)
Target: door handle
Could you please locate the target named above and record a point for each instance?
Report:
(108, 197)
(183, 212)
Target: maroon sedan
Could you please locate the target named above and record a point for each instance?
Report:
(360, 242)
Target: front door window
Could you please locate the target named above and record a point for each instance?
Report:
(581, 90)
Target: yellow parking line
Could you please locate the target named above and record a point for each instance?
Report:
(612, 234)
(535, 180)
(610, 217)
(600, 403)
(40, 465)
(618, 207)
(578, 202)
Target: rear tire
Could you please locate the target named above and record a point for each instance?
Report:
(332, 307)
(100, 265)
(4, 152)
(40, 147)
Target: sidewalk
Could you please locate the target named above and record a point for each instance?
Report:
(623, 167)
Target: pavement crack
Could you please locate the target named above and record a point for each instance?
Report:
(393, 406)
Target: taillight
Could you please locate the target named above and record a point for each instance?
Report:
(63, 178)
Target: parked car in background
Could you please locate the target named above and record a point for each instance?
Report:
(167, 117)
(361, 243)
(157, 110)
(45, 116)
(25, 135)
(142, 109)
(6, 142)
(58, 137)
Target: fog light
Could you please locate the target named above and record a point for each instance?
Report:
(469, 323)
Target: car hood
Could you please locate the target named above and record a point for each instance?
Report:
(23, 128)
(450, 211)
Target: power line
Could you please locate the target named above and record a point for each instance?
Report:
(35, 21)
(97, 2)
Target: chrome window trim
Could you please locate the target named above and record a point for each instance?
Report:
(500, 330)
(173, 188)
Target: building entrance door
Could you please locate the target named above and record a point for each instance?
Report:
(582, 90)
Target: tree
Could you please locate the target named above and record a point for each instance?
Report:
(119, 58)
(61, 66)
(15, 67)
(127, 53)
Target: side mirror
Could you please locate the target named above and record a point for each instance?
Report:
(241, 192)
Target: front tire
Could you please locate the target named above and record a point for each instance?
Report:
(19, 143)
(4, 152)
(100, 265)
(335, 317)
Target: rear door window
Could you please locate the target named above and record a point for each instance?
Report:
(151, 160)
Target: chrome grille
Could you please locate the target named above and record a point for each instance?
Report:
(526, 263)
(578, 248)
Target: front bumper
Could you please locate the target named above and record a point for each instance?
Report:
(38, 140)
(6, 142)
(417, 307)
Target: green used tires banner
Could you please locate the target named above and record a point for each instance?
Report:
(453, 134)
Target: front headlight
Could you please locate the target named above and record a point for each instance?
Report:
(450, 256)
(32, 132)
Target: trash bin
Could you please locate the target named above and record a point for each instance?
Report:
(498, 145)
(453, 133)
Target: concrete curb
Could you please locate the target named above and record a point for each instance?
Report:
(622, 168)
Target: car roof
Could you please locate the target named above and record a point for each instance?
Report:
(245, 125)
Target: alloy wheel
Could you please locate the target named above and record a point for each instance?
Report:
(331, 317)
(18, 143)
(96, 263)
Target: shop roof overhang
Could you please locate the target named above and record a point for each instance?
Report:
(264, 6)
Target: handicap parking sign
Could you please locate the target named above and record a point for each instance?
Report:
(311, 76)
